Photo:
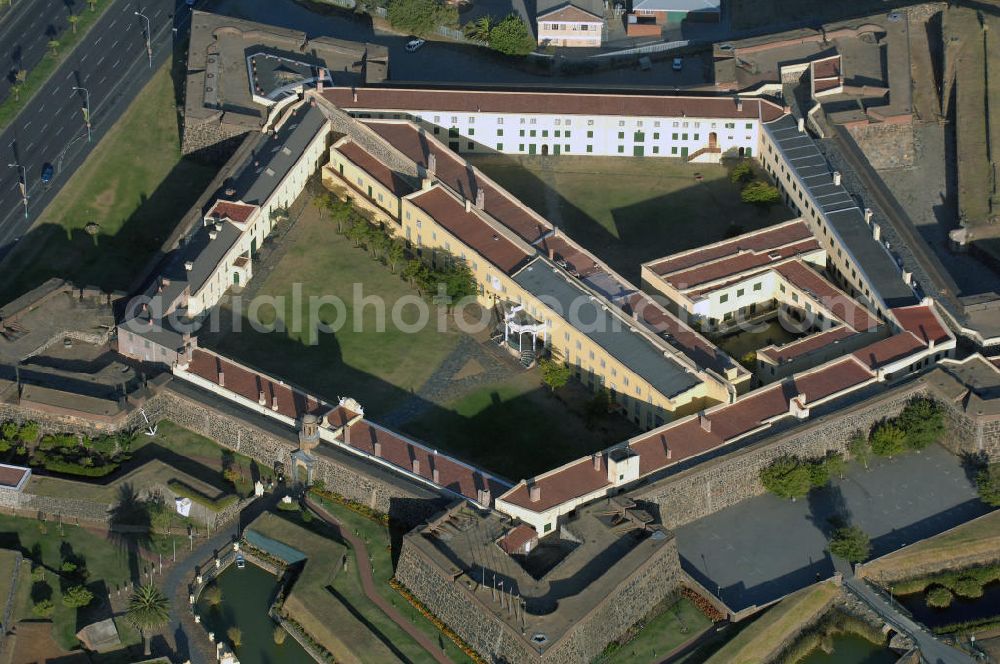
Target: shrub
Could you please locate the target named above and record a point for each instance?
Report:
(922, 421)
(214, 504)
(859, 448)
(57, 465)
(213, 595)
(939, 597)
(43, 608)
(29, 432)
(279, 634)
(77, 597)
(742, 172)
(888, 440)
(819, 473)
(235, 635)
(851, 543)
(988, 484)
(760, 193)
(969, 587)
(9, 431)
(421, 17)
(554, 374)
(786, 477)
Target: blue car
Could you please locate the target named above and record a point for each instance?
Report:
(48, 170)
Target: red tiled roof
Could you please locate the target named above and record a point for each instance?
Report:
(238, 212)
(889, 350)
(921, 321)
(248, 384)
(805, 345)
(461, 178)
(826, 68)
(11, 476)
(831, 379)
(840, 303)
(562, 103)
(570, 13)
(580, 262)
(401, 452)
(763, 241)
(517, 538)
(820, 85)
(387, 177)
(572, 481)
(340, 416)
(471, 229)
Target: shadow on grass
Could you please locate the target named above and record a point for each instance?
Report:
(109, 262)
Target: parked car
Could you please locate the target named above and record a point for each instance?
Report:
(241, 562)
(678, 64)
(48, 170)
(415, 44)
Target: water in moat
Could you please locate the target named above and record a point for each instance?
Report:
(962, 609)
(246, 595)
(852, 649)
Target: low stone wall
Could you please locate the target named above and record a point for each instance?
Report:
(497, 640)
(725, 481)
(68, 510)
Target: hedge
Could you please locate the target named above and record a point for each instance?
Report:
(72, 468)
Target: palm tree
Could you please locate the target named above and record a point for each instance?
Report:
(73, 20)
(93, 4)
(54, 46)
(148, 610)
(481, 29)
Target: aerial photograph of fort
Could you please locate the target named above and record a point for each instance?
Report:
(500, 332)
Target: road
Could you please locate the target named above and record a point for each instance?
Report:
(25, 30)
(111, 62)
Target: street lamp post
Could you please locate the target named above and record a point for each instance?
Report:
(23, 184)
(149, 36)
(86, 108)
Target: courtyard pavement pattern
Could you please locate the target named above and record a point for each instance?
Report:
(764, 548)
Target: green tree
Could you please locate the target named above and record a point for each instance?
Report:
(213, 595)
(760, 193)
(851, 543)
(819, 473)
(235, 635)
(835, 464)
(54, 45)
(148, 611)
(73, 20)
(554, 374)
(888, 440)
(742, 172)
(988, 484)
(480, 29)
(357, 232)
(939, 597)
(786, 477)
(43, 608)
(395, 253)
(93, 4)
(922, 420)
(77, 597)
(859, 449)
(279, 634)
(511, 36)
(421, 17)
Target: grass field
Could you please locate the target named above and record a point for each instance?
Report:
(783, 14)
(378, 368)
(45, 544)
(757, 643)
(135, 185)
(977, 540)
(677, 624)
(377, 539)
(499, 426)
(628, 211)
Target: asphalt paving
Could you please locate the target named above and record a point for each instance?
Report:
(111, 62)
(25, 31)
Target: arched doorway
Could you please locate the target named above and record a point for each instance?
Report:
(545, 149)
(713, 140)
(741, 152)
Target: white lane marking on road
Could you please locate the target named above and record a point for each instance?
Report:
(115, 66)
(100, 61)
(55, 90)
(98, 40)
(59, 130)
(103, 78)
(115, 44)
(113, 23)
(29, 146)
(41, 108)
(83, 57)
(26, 125)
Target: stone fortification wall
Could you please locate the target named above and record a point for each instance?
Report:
(210, 137)
(49, 508)
(342, 123)
(464, 612)
(722, 482)
(53, 421)
(972, 434)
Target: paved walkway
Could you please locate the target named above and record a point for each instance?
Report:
(932, 650)
(368, 584)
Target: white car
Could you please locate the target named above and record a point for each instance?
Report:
(415, 44)
(678, 64)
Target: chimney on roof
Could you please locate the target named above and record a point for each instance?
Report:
(739, 104)
(670, 452)
(481, 198)
(212, 235)
(218, 226)
(597, 461)
(836, 178)
(222, 378)
(274, 402)
(797, 406)
(416, 466)
(261, 399)
(534, 493)
(704, 422)
(377, 445)
(876, 232)
(868, 215)
(907, 277)
(484, 497)
(319, 81)
(355, 96)
(468, 205)
(426, 183)
(432, 162)
(802, 125)
(347, 441)
(436, 476)
(188, 265)
(552, 254)
(230, 191)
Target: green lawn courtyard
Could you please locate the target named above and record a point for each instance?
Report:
(677, 624)
(135, 199)
(629, 211)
